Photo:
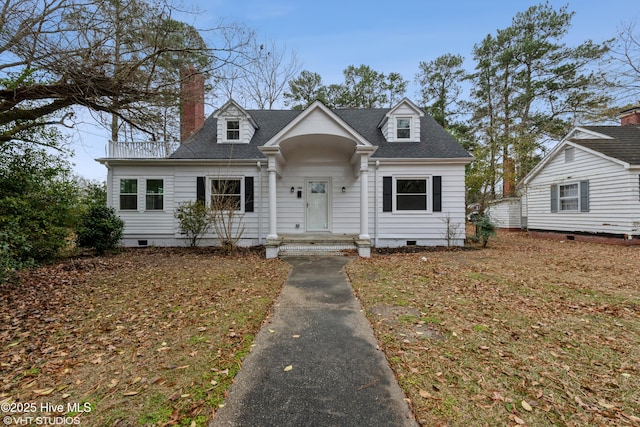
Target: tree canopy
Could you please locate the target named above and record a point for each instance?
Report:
(113, 57)
(529, 87)
(363, 87)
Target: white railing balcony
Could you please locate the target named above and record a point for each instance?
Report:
(141, 149)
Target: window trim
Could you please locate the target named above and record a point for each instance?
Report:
(428, 194)
(147, 194)
(409, 128)
(120, 194)
(227, 130)
(576, 197)
(209, 190)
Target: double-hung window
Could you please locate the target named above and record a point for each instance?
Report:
(226, 194)
(129, 194)
(569, 197)
(403, 128)
(411, 194)
(155, 195)
(233, 130)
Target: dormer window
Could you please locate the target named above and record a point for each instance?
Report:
(403, 127)
(233, 130)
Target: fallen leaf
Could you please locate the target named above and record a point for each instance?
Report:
(44, 391)
(288, 368)
(427, 395)
(579, 401)
(518, 420)
(605, 405)
(130, 393)
(526, 406)
(272, 331)
(296, 336)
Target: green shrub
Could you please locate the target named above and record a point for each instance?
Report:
(37, 202)
(100, 228)
(485, 229)
(195, 221)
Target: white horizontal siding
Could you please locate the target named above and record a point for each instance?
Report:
(393, 228)
(429, 228)
(186, 191)
(614, 205)
(344, 207)
(505, 213)
(141, 221)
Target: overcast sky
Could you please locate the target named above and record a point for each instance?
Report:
(330, 35)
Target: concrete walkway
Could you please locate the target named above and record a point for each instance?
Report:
(337, 374)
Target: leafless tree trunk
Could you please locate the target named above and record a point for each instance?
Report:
(226, 212)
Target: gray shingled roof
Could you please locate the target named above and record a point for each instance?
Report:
(625, 146)
(434, 143)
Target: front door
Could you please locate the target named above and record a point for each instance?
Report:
(317, 205)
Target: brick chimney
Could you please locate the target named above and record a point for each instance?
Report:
(509, 177)
(192, 102)
(630, 116)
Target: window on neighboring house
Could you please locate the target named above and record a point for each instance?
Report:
(403, 128)
(569, 154)
(226, 194)
(128, 194)
(155, 195)
(233, 130)
(569, 197)
(411, 194)
(572, 197)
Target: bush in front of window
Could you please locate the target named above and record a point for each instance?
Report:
(100, 228)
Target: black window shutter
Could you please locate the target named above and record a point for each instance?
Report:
(387, 194)
(554, 198)
(200, 189)
(584, 196)
(248, 194)
(437, 194)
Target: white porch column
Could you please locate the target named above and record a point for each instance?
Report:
(273, 219)
(364, 193)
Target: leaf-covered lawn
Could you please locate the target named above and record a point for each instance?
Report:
(146, 337)
(526, 332)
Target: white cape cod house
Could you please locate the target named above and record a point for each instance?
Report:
(384, 177)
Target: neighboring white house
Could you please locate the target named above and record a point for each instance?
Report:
(589, 184)
(382, 177)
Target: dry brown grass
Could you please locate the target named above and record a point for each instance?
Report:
(146, 337)
(528, 331)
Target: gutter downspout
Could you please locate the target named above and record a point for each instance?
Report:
(259, 204)
(375, 204)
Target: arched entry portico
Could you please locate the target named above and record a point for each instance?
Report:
(318, 181)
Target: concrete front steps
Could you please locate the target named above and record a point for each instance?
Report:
(318, 245)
